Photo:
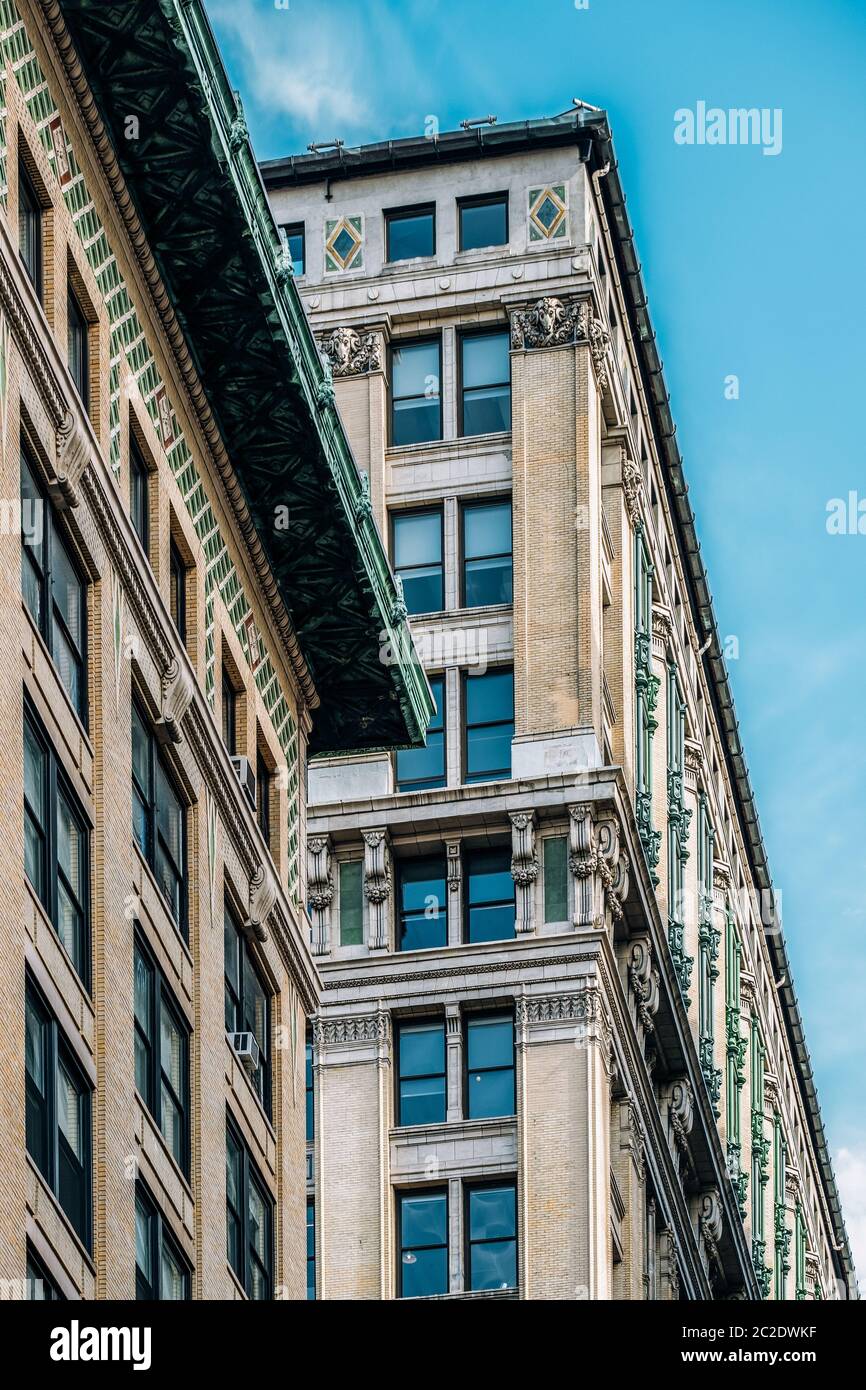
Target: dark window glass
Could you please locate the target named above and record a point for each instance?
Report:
(308, 1087)
(489, 703)
(352, 902)
(177, 590)
(311, 1248)
(492, 1232)
(139, 494)
(161, 1272)
(489, 1066)
(487, 554)
(421, 1074)
(53, 589)
(483, 222)
(263, 797)
(78, 348)
(555, 853)
(41, 1288)
(58, 1117)
(485, 375)
(249, 1221)
(158, 818)
(229, 713)
(294, 234)
(423, 910)
(418, 558)
(56, 846)
(418, 768)
(411, 232)
(162, 1056)
(423, 1244)
(248, 1005)
(30, 228)
(416, 408)
(489, 895)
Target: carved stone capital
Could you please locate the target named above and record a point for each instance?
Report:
(354, 1028)
(662, 629)
(694, 757)
(377, 883)
(263, 896)
(351, 353)
(632, 487)
(320, 891)
(644, 981)
(599, 865)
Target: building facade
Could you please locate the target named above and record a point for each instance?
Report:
(193, 593)
(558, 1053)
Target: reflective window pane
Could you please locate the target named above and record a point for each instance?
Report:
(423, 912)
(422, 1074)
(492, 1238)
(486, 383)
(555, 857)
(489, 895)
(419, 768)
(423, 1245)
(489, 725)
(487, 572)
(411, 234)
(352, 903)
(415, 387)
(483, 224)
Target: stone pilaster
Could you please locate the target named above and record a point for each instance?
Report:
(320, 892)
(524, 869)
(377, 886)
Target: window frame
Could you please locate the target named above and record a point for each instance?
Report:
(467, 506)
(159, 1234)
(482, 200)
(396, 346)
(56, 784)
(412, 1194)
(34, 207)
(149, 799)
(482, 1017)
(469, 854)
(498, 774)
(177, 580)
(78, 322)
(229, 712)
(249, 1176)
(398, 514)
(245, 955)
(311, 1257)
(288, 230)
(401, 866)
(406, 214)
(463, 336)
(54, 535)
(409, 1025)
(162, 996)
(264, 779)
(36, 1271)
(356, 862)
(488, 1185)
(139, 492)
(425, 784)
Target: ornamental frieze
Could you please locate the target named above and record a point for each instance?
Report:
(356, 1028)
(351, 353)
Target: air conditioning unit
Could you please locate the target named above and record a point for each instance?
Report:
(247, 778)
(246, 1050)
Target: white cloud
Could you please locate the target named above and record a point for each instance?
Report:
(850, 1166)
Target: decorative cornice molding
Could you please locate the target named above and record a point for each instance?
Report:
(354, 1028)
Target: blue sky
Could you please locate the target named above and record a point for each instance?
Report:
(754, 267)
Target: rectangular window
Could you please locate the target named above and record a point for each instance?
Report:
(421, 1073)
(352, 902)
(423, 1227)
(161, 1272)
(177, 590)
(485, 382)
(411, 232)
(416, 403)
(55, 593)
(229, 714)
(487, 566)
(423, 909)
(422, 768)
(139, 494)
(490, 912)
(158, 818)
(248, 1005)
(417, 546)
(483, 221)
(489, 1066)
(491, 1227)
(58, 1111)
(56, 846)
(311, 1249)
(30, 228)
(308, 1088)
(249, 1221)
(489, 723)
(263, 796)
(41, 1288)
(78, 345)
(294, 234)
(162, 1055)
(555, 855)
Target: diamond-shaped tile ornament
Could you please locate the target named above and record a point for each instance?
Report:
(548, 213)
(344, 244)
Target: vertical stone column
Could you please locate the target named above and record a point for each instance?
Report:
(454, 1062)
(524, 869)
(455, 1236)
(453, 727)
(661, 636)
(357, 360)
(377, 887)
(454, 863)
(451, 552)
(694, 765)
(320, 892)
(599, 867)
(623, 501)
(627, 1160)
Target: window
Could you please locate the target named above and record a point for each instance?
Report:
(489, 1066)
(489, 895)
(311, 1249)
(55, 593)
(491, 1225)
(421, 1074)
(483, 221)
(352, 902)
(485, 383)
(229, 714)
(58, 1113)
(177, 590)
(56, 845)
(248, 1005)
(411, 232)
(420, 768)
(139, 494)
(418, 558)
(158, 818)
(489, 706)
(294, 234)
(486, 554)
(416, 406)
(162, 1056)
(423, 1224)
(40, 1286)
(161, 1272)
(78, 344)
(423, 910)
(263, 796)
(555, 857)
(30, 228)
(308, 1087)
(249, 1221)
